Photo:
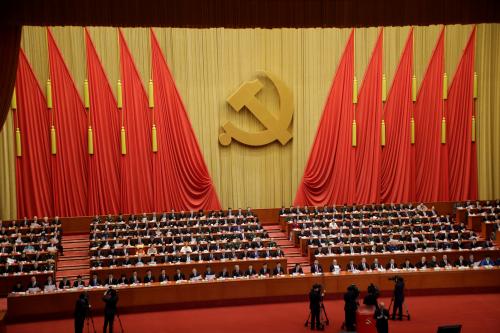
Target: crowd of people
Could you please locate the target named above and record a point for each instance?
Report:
(29, 246)
(135, 241)
(406, 264)
(379, 229)
(179, 238)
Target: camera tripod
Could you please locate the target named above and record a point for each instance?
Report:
(405, 309)
(120, 321)
(90, 319)
(323, 317)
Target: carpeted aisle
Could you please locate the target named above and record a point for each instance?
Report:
(478, 313)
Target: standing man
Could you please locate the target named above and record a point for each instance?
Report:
(81, 308)
(111, 299)
(315, 306)
(399, 298)
(382, 317)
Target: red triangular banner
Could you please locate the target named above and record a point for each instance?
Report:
(136, 165)
(397, 182)
(33, 169)
(459, 112)
(181, 178)
(69, 165)
(431, 158)
(368, 118)
(104, 166)
(329, 174)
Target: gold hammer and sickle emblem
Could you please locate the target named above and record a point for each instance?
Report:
(276, 127)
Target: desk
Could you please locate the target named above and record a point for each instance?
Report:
(8, 282)
(487, 228)
(474, 222)
(186, 268)
(399, 258)
(461, 216)
(156, 296)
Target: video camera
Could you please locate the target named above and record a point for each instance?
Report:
(318, 288)
(111, 291)
(396, 278)
(354, 290)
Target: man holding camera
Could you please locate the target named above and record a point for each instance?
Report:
(111, 299)
(81, 308)
(350, 307)
(315, 298)
(399, 297)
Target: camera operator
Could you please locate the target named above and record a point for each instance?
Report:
(350, 307)
(81, 308)
(399, 297)
(372, 296)
(315, 299)
(111, 299)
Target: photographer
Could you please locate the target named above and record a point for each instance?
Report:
(81, 308)
(399, 297)
(315, 299)
(111, 299)
(350, 307)
(372, 296)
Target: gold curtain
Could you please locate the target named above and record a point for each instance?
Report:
(8, 208)
(209, 64)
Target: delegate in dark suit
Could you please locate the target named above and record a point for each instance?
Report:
(382, 318)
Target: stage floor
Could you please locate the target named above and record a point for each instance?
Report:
(476, 312)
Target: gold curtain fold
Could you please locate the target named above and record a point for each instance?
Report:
(306, 60)
(8, 208)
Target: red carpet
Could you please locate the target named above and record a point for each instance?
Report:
(477, 313)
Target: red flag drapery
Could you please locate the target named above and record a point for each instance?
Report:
(180, 177)
(136, 166)
(33, 169)
(397, 168)
(368, 118)
(329, 174)
(459, 111)
(431, 161)
(69, 165)
(104, 164)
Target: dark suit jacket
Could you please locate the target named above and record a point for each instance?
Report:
(316, 270)
(410, 265)
(361, 268)
(31, 285)
(224, 274)
(96, 283)
(464, 263)
(148, 280)
(75, 284)
(62, 284)
(177, 277)
(275, 271)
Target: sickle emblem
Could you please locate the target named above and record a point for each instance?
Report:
(276, 127)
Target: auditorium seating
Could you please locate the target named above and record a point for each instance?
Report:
(28, 248)
(399, 232)
(180, 241)
(176, 243)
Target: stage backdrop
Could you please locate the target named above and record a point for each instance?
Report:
(208, 65)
